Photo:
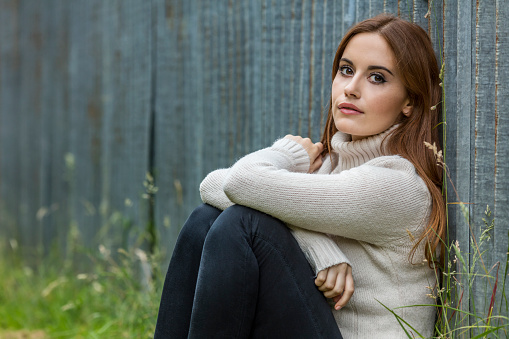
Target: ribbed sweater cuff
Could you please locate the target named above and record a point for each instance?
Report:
(296, 152)
(321, 252)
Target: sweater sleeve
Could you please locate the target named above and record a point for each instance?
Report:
(374, 202)
(320, 250)
(211, 189)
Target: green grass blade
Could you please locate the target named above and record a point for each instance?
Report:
(488, 332)
(399, 319)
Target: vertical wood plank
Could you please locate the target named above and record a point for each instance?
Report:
(281, 105)
(125, 100)
(391, 6)
(329, 47)
(85, 120)
(436, 29)
(303, 82)
(54, 209)
(501, 212)
(315, 108)
(484, 152)
(269, 40)
(297, 69)
(170, 115)
(256, 35)
(215, 137)
(420, 12)
(405, 9)
(29, 139)
(10, 83)
(459, 113)
(362, 11)
(285, 108)
(376, 7)
(194, 125)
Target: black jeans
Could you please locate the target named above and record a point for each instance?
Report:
(240, 274)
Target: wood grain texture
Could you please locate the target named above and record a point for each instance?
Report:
(458, 57)
(53, 212)
(501, 190)
(29, 138)
(484, 138)
(170, 116)
(126, 112)
(9, 123)
(86, 116)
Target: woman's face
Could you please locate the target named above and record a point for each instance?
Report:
(368, 95)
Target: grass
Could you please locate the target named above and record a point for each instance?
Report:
(464, 270)
(459, 316)
(84, 292)
(111, 300)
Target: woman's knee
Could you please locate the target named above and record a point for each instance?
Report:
(242, 219)
(198, 223)
(238, 212)
(231, 222)
(204, 212)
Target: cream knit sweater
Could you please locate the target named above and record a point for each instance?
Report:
(359, 201)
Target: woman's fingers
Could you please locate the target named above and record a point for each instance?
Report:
(315, 165)
(314, 150)
(319, 146)
(329, 282)
(338, 288)
(343, 299)
(336, 282)
(321, 277)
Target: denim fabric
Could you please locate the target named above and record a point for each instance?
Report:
(240, 274)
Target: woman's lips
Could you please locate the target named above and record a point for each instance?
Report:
(347, 108)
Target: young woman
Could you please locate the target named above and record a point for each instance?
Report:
(369, 192)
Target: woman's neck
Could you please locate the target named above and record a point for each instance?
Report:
(353, 153)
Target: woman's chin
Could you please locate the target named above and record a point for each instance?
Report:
(347, 128)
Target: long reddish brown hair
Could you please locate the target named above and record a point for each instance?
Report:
(419, 73)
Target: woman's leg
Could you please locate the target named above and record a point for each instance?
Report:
(254, 281)
(179, 285)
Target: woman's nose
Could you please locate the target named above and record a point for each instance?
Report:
(352, 88)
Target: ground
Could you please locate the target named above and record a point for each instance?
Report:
(23, 334)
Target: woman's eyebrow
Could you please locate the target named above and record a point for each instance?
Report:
(369, 67)
(380, 67)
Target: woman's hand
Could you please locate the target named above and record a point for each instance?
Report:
(336, 282)
(314, 150)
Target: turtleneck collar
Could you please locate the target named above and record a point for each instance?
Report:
(355, 153)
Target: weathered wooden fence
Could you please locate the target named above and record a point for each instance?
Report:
(95, 94)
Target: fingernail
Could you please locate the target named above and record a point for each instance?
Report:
(338, 308)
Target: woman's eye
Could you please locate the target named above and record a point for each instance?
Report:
(346, 70)
(377, 78)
